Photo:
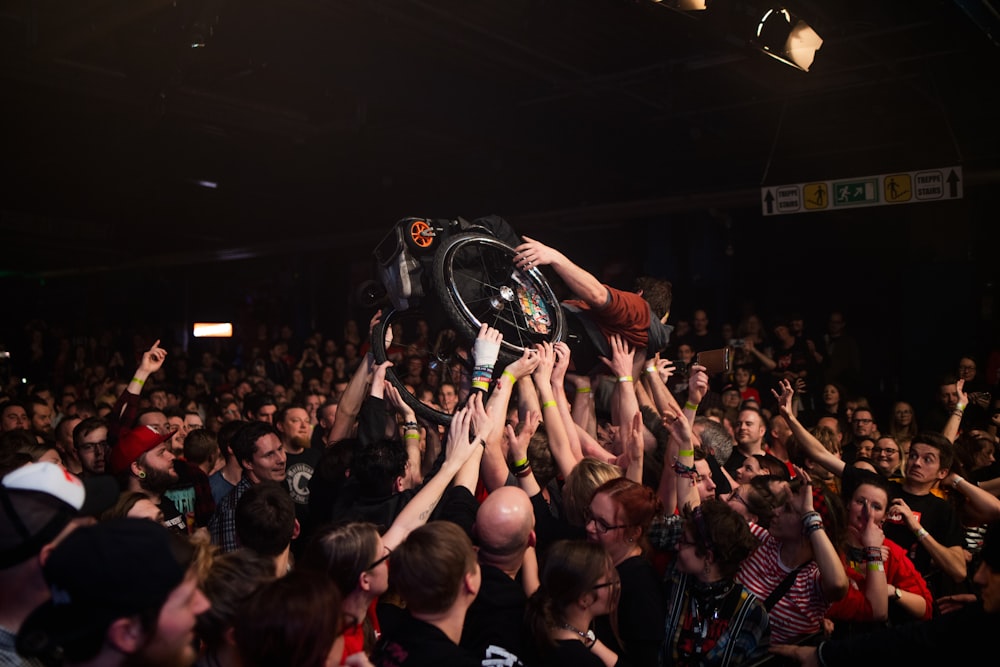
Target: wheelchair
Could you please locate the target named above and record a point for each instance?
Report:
(456, 275)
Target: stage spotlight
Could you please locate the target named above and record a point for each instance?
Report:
(684, 5)
(787, 38)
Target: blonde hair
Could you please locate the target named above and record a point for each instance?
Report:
(581, 482)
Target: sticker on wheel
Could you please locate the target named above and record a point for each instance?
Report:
(533, 306)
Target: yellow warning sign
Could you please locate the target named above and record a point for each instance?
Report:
(898, 188)
(815, 196)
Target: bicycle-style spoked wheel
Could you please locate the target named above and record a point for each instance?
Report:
(476, 281)
(442, 360)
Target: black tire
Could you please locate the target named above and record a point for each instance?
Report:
(379, 352)
(476, 281)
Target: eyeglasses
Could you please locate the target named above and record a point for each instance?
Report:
(862, 420)
(606, 584)
(878, 451)
(388, 552)
(87, 447)
(602, 527)
(738, 498)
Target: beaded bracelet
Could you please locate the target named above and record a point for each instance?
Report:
(812, 528)
(873, 554)
(683, 470)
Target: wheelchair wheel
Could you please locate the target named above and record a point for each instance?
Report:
(476, 281)
(442, 360)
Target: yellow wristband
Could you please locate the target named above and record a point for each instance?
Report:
(686, 452)
(583, 390)
(479, 384)
(138, 381)
(412, 436)
(688, 405)
(513, 380)
(549, 404)
(625, 378)
(520, 463)
(651, 369)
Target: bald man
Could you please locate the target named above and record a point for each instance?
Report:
(504, 532)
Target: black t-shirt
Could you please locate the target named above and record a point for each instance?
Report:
(938, 517)
(414, 643)
(641, 613)
(494, 624)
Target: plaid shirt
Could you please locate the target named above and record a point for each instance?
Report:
(666, 532)
(222, 525)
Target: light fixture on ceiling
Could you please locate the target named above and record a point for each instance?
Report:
(787, 38)
(684, 5)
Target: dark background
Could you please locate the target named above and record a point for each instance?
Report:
(619, 131)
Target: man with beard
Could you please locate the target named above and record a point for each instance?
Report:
(261, 454)
(301, 460)
(127, 595)
(142, 461)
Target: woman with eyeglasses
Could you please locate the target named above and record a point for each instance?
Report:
(355, 556)
(578, 585)
(618, 518)
(903, 425)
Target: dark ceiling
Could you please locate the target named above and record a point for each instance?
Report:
(321, 122)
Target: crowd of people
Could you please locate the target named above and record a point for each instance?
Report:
(295, 509)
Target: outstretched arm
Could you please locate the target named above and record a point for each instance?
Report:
(127, 405)
(814, 448)
(350, 403)
(582, 283)
(460, 447)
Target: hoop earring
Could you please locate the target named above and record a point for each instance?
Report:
(141, 474)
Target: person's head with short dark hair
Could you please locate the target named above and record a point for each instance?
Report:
(345, 552)
(257, 446)
(294, 620)
(39, 414)
(540, 456)
(260, 406)
(716, 528)
(657, 292)
(201, 447)
(90, 440)
(85, 408)
(380, 468)
(226, 434)
(25, 442)
(265, 518)
(231, 579)
(14, 415)
(154, 417)
(931, 455)
(434, 568)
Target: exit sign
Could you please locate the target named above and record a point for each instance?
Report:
(907, 187)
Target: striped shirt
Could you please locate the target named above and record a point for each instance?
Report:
(800, 610)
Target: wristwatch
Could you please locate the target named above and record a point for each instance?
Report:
(896, 595)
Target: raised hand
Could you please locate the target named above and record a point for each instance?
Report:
(622, 356)
(152, 359)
